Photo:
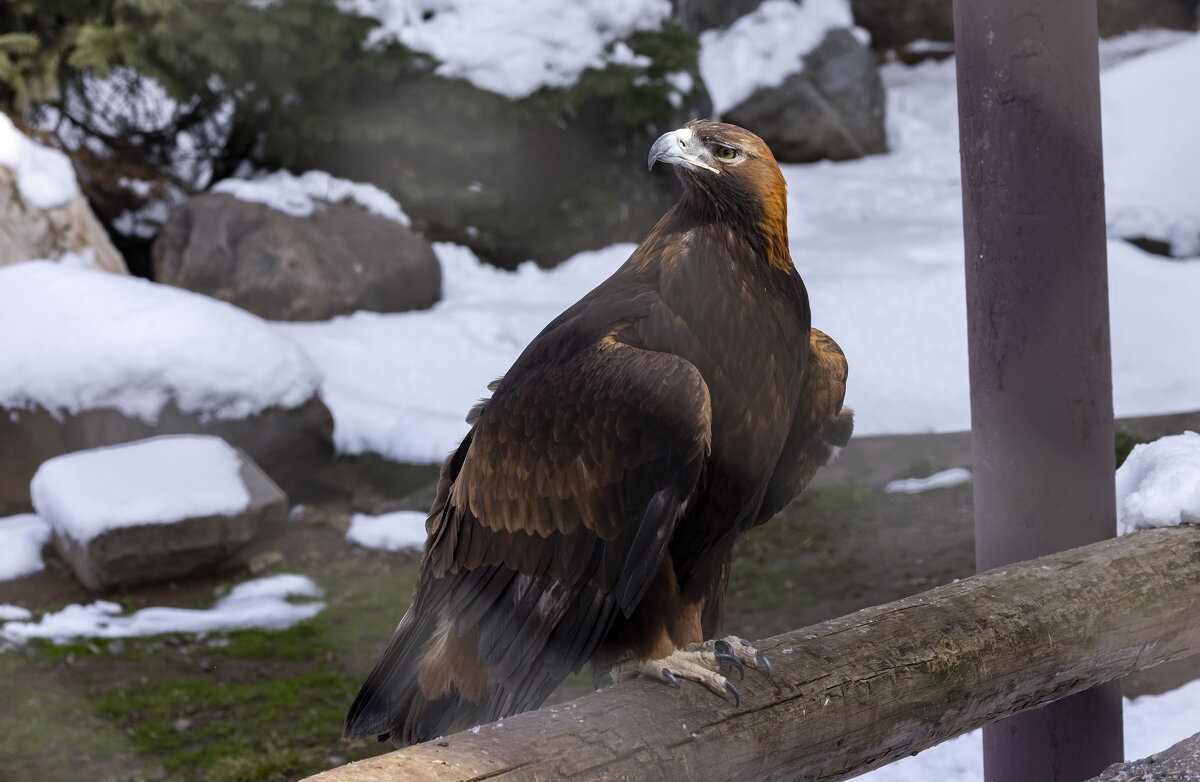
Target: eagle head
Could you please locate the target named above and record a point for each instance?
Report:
(729, 174)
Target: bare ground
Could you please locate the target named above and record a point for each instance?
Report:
(267, 706)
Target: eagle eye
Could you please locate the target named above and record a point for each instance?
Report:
(726, 153)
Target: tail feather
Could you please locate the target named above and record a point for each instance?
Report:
(440, 672)
(393, 682)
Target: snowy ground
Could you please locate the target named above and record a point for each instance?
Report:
(268, 603)
(392, 531)
(879, 243)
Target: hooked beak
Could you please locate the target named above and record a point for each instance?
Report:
(679, 147)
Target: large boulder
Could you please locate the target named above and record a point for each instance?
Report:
(293, 445)
(832, 109)
(42, 212)
(1123, 16)
(154, 510)
(701, 15)
(338, 259)
(515, 180)
(894, 25)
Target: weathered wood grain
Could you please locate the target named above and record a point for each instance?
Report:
(857, 692)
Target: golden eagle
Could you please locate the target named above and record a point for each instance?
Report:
(591, 511)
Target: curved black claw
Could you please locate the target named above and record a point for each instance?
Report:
(669, 678)
(764, 664)
(732, 662)
(737, 696)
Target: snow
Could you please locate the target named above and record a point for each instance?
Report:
(263, 603)
(297, 195)
(939, 480)
(1152, 146)
(89, 340)
(1159, 484)
(766, 46)
(44, 176)
(401, 384)
(1152, 723)
(879, 244)
(391, 532)
(514, 49)
(21, 540)
(162, 480)
(8, 612)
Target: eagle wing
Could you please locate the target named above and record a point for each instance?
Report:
(552, 516)
(820, 427)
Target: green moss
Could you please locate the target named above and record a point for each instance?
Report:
(245, 705)
(92, 647)
(766, 585)
(305, 641)
(198, 728)
(641, 94)
(838, 497)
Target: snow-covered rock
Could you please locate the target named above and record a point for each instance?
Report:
(893, 24)
(1159, 484)
(763, 48)
(96, 359)
(267, 603)
(800, 77)
(392, 531)
(515, 49)
(153, 510)
(298, 248)
(300, 196)
(1152, 147)
(22, 538)
(87, 340)
(42, 212)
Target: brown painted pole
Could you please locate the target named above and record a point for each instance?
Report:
(1037, 305)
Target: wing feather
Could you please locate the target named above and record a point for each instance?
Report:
(821, 425)
(551, 518)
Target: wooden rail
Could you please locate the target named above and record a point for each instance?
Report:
(858, 692)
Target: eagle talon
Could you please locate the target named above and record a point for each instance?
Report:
(669, 678)
(733, 662)
(737, 697)
(764, 664)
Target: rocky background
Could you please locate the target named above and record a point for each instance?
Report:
(169, 113)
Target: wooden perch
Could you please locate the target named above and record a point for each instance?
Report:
(855, 693)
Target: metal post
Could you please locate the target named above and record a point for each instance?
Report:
(1037, 306)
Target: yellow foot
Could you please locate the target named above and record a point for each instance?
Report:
(699, 662)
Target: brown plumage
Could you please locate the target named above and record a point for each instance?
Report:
(590, 513)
